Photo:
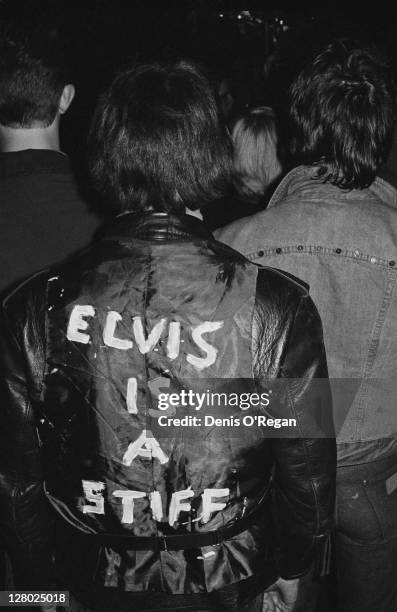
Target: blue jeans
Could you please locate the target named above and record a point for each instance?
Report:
(366, 536)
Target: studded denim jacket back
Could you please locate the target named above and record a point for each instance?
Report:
(343, 243)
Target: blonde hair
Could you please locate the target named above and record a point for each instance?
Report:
(256, 162)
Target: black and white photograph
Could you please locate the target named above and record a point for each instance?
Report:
(198, 307)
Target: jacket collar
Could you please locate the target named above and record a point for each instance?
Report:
(158, 226)
(303, 181)
(32, 161)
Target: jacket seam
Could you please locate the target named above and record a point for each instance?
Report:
(355, 255)
(357, 416)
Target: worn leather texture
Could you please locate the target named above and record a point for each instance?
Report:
(65, 418)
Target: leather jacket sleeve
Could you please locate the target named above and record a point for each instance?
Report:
(24, 511)
(305, 463)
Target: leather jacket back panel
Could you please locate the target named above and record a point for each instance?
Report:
(156, 285)
(130, 288)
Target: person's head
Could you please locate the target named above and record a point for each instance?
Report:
(34, 88)
(156, 141)
(342, 111)
(256, 162)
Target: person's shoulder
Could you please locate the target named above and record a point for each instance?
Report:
(24, 302)
(385, 192)
(278, 285)
(279, 298)
(264, 227)
(21, 290)
(288, 202)
(238, 230)
(284, 279)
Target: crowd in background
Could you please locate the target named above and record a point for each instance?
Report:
(49, 208)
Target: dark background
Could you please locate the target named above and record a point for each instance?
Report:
(258, 46)
(232, 38)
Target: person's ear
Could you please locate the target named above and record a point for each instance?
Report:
(66, 98)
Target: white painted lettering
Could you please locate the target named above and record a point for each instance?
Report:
(109, 338)
(210, 506)
(77, 323)
(147, 344)
(177, 505)
(93, 492)
(211, 352)
(132, 390)
(146, 447)
(155, 505)
(174, 338)
(127, 500)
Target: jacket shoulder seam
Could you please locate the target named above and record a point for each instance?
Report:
(299, 283)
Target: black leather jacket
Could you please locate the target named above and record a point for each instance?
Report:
(159, 305)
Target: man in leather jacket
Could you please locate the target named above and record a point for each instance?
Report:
(105, 489)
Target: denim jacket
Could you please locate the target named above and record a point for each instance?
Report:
(343, 243)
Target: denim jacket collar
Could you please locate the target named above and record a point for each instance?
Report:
(303, 179)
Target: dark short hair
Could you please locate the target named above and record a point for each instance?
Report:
(342, 111)
(31, 78)
(156, 140)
